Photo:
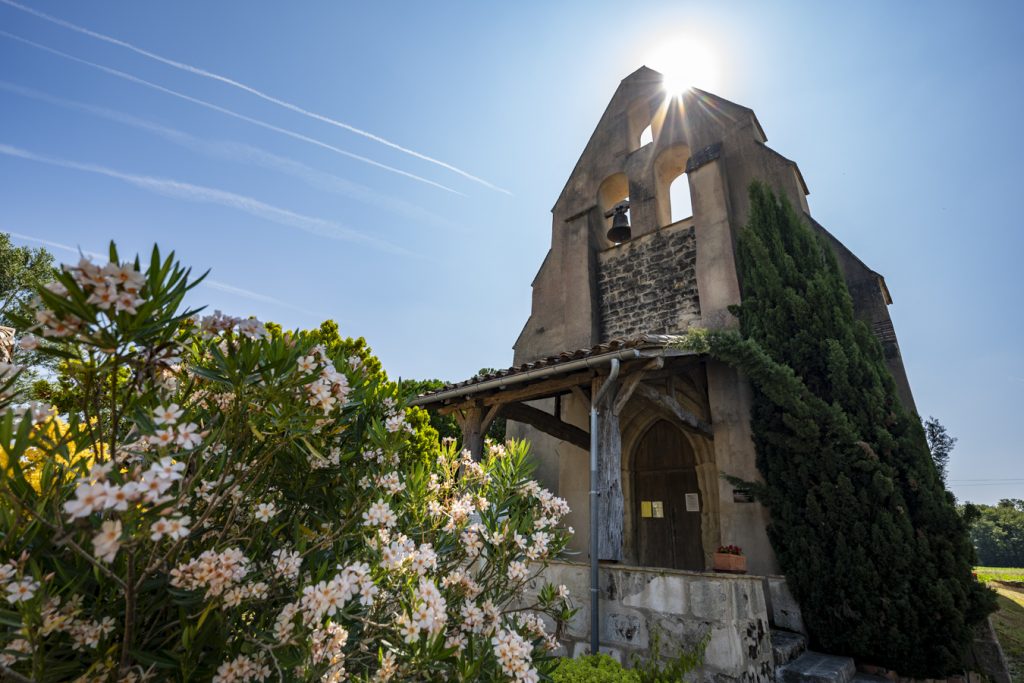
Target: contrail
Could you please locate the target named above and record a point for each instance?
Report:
(245, 154)
(255, 296)
(209, 195)
(251, 90)
(207, 282)
(57, 245)
(228, 112)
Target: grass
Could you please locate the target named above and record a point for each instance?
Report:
(1009, 620)
(987, 574)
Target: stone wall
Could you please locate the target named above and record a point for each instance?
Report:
(683, 607)
(649, 284)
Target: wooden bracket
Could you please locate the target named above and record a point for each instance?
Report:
(489, 418)
(631, 383)
(670, 404)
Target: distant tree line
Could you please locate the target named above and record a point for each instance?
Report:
(997, 532)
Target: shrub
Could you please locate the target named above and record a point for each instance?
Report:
(598, 668)
(229, 504)
(654, 667)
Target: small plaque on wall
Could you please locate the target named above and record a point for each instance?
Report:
(657, 509)
(693, 502)
(739, 496)
(645, 508)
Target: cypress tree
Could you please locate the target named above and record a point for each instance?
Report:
(864, 530)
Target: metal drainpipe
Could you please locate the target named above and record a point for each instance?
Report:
(594, 577)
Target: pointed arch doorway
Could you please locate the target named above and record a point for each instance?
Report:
(667, 500)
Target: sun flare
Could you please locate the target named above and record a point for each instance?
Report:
(685, 63)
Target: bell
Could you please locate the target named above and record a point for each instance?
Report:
(620, 231)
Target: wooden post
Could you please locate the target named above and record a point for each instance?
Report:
(470, 421)
(611, 506)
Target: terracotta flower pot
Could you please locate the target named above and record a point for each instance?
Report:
(730, 564)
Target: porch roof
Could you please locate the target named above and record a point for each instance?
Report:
(496, 384)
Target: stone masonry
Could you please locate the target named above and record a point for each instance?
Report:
(649, 284)
(681, 608)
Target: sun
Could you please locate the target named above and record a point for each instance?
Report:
(685, 63)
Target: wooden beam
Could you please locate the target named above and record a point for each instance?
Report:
(488, 419)
(547, 423)
(584, 399)
(543, 389)
(631, 383)
(670, 404)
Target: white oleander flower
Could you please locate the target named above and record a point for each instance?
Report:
(517, 571)
(163, 437)
(188, 436)
(167, 469)
(20, 591)
(265, 511)
(88, 498)
(126, 302)
(29, 342)
(287, 563)
(380, 514)
(168, 415)
(103, 296)
(108, 541)
(125, 276)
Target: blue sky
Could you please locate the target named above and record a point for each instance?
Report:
(903, 118)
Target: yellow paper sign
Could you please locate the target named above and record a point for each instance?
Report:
(645, 508)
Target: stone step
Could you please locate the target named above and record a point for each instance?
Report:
(813, 667)
(787, 646)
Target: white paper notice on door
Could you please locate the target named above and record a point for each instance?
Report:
(692, 502)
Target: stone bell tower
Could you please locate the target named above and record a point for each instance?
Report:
(675, 270)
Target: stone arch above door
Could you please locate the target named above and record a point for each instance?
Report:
(637, 418)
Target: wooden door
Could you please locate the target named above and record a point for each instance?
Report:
(664, 471)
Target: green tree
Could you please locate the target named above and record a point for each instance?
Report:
(22, 271)
(359, 356)
(862, 525)
(998, 532)
(940, 443)
(446, 426)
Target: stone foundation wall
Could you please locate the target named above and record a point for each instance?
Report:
(649, 284)
(683, 607)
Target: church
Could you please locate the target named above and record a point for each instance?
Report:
(635, 433)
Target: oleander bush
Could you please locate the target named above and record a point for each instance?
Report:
(224, 503)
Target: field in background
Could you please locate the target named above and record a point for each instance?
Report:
(987, 574)
(1008, 582)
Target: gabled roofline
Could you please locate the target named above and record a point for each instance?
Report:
(881, 278)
